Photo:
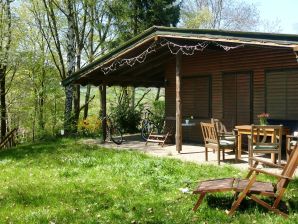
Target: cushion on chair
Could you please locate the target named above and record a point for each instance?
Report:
(265, 147)
(226, 142)
(229, 138)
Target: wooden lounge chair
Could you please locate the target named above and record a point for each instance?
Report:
(213, 141)
(249, 187)
(162, 138)
(259, 141)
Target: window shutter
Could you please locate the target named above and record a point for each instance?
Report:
(195, 96)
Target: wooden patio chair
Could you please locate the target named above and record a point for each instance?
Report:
(222, 131)
(212, 141)
(250, 187)
(291, 143)
(259, 141)
(162, 138)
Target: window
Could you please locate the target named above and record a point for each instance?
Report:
(282, 94)
(196, 96)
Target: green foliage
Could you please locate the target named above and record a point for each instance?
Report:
(89, 126)
(196, 19)
(133, 17)
(158, 115)
(65, 181)
(126, 117)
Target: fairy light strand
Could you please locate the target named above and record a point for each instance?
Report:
(174, 49)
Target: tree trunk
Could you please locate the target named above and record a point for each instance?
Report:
(157, 94)
(68, 107)
(71, 59)
(87, 97)
(41, 121)
(76, 106)
(3, 102)
(102, 91)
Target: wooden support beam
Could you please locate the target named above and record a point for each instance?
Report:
(103, 102)
(178, 104)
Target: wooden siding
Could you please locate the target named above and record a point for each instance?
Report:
(256, 60)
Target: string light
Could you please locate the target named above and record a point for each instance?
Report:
(163, 42)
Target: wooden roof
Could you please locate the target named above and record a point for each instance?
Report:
(151, 71)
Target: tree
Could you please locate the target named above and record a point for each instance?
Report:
(220, 14)
(5, 45)
(135, 16)
(70, 13)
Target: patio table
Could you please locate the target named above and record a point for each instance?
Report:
(246, 130)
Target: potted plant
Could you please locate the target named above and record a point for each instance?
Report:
(263, 118)
(188, 119)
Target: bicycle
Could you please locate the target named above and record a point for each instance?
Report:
(147, 125)
(113, 133)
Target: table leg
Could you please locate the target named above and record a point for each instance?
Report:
(239, 145)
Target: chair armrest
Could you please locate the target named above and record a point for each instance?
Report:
(270, 174)
(291, 136)
(266, 162)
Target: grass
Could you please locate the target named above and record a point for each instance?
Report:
(64, 181)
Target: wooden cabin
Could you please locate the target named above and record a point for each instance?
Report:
(206, 73)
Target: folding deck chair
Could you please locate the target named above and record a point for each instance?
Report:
(162, 138)
(250, 187)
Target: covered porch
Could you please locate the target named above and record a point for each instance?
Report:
(205, 73)
(191, 152)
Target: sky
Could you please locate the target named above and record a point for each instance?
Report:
(283, 10)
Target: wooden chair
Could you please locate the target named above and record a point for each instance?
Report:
(291, 143)
(212, 140)
(251, 188)
(259, 141)
(162, 138)
(223, 132)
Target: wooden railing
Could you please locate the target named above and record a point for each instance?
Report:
(9, 140)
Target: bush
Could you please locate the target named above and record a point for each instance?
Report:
(89, 126)
(126, 117)
(158, 116)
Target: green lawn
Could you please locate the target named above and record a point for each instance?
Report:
(64, 181)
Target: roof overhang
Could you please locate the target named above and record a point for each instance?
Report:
(149, 72)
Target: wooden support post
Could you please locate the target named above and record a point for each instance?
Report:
(178, 104)
(103, 102)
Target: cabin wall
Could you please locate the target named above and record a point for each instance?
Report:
(253, 60)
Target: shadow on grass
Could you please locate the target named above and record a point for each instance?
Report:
(32, 149)
(249, 206)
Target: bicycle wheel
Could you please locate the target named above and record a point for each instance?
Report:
(147, 128)
(116, 135)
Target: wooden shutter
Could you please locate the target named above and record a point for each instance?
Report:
(244, 109)
(195, 96)
(229, 100)
(237, 108)
(276, 95)
(282, 94)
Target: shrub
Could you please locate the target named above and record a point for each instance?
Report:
(126, 117)
(89, 126)
(158, 115)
